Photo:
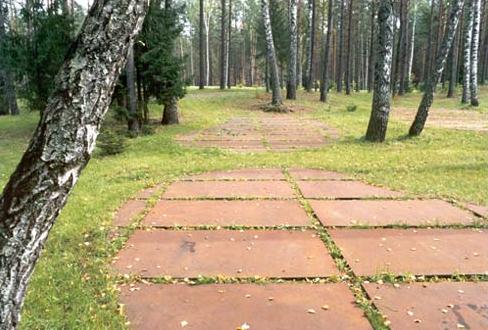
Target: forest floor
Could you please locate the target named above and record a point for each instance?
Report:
(74, 288)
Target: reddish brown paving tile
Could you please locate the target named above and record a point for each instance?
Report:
(315, 174)
(478, 209)
(228, 306)
(229, 144)
(227, 213)
(228, 189)
(420, 251)
(128, 212)
(389, 212)
(343, 189)
(437, 305)
(148, 192)
(284, 254)
(241, 174)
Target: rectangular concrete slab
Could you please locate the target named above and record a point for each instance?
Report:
(315, 174)
(233, 306)
(344, 213)
(416, 251)
(343, 189)
(232, 253)
(446, 305)
(128, 212)
(227, 213)
(241, 174)
(229, 189)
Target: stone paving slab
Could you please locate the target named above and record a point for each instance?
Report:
(343, 189)
(416, 251)
(454, 305)
(148, 192)
(315, 174)
(227, 213)
(230, 306)
(128, 212)
(389, 212)
(229, 189)
(241, 174)
(283, 254)
(478, 209)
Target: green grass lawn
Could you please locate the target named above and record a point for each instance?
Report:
(72, 287)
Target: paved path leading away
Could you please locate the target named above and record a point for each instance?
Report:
(263, 132)
(300, 249)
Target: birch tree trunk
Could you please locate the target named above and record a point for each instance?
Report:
(467, 39)
(207, 49)
(130, 69)
(412, 45)
(291, 88)
(324, 86)
(62, 144)
(428, 97)
(378, 122)
(271, 55)
(453, 79)
(229, 40)
(201, 46)
(476, 13)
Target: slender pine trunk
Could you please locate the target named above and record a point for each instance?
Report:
(453, 78)
(310, 45)
(372, 48)
(340, 53)
(130, 71)
(324, 86)
(201, 46)
(223, 46)
(347, 73)
(291, 87)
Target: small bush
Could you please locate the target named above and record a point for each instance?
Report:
(111, 143)
(351, 107)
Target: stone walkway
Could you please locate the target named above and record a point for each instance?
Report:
(300, 249)
(263, 132)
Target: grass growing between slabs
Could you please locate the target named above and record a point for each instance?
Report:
(72, 286)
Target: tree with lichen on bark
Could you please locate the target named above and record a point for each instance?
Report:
(62, 144)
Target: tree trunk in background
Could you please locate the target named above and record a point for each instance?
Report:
(229, 44)
(62, 144)
(404, 49)
(170, 113)
(428, 97)
(223, 46)
(299, 44)
(430, 49)
(208, 68)
(130, 70)
(310, 45)
(340, 54)
(412, 46)
(5, 75)
(378, 122)
(291, 87)
(474, 52)
(467, 39)
(372, 50)
(324, 86)
(453, 78)
(271, 55)
(202, 49)
(347, 75)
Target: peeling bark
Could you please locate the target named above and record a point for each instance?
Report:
(378, 122)
(428, 97)
(291, 88)
(62, 144)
